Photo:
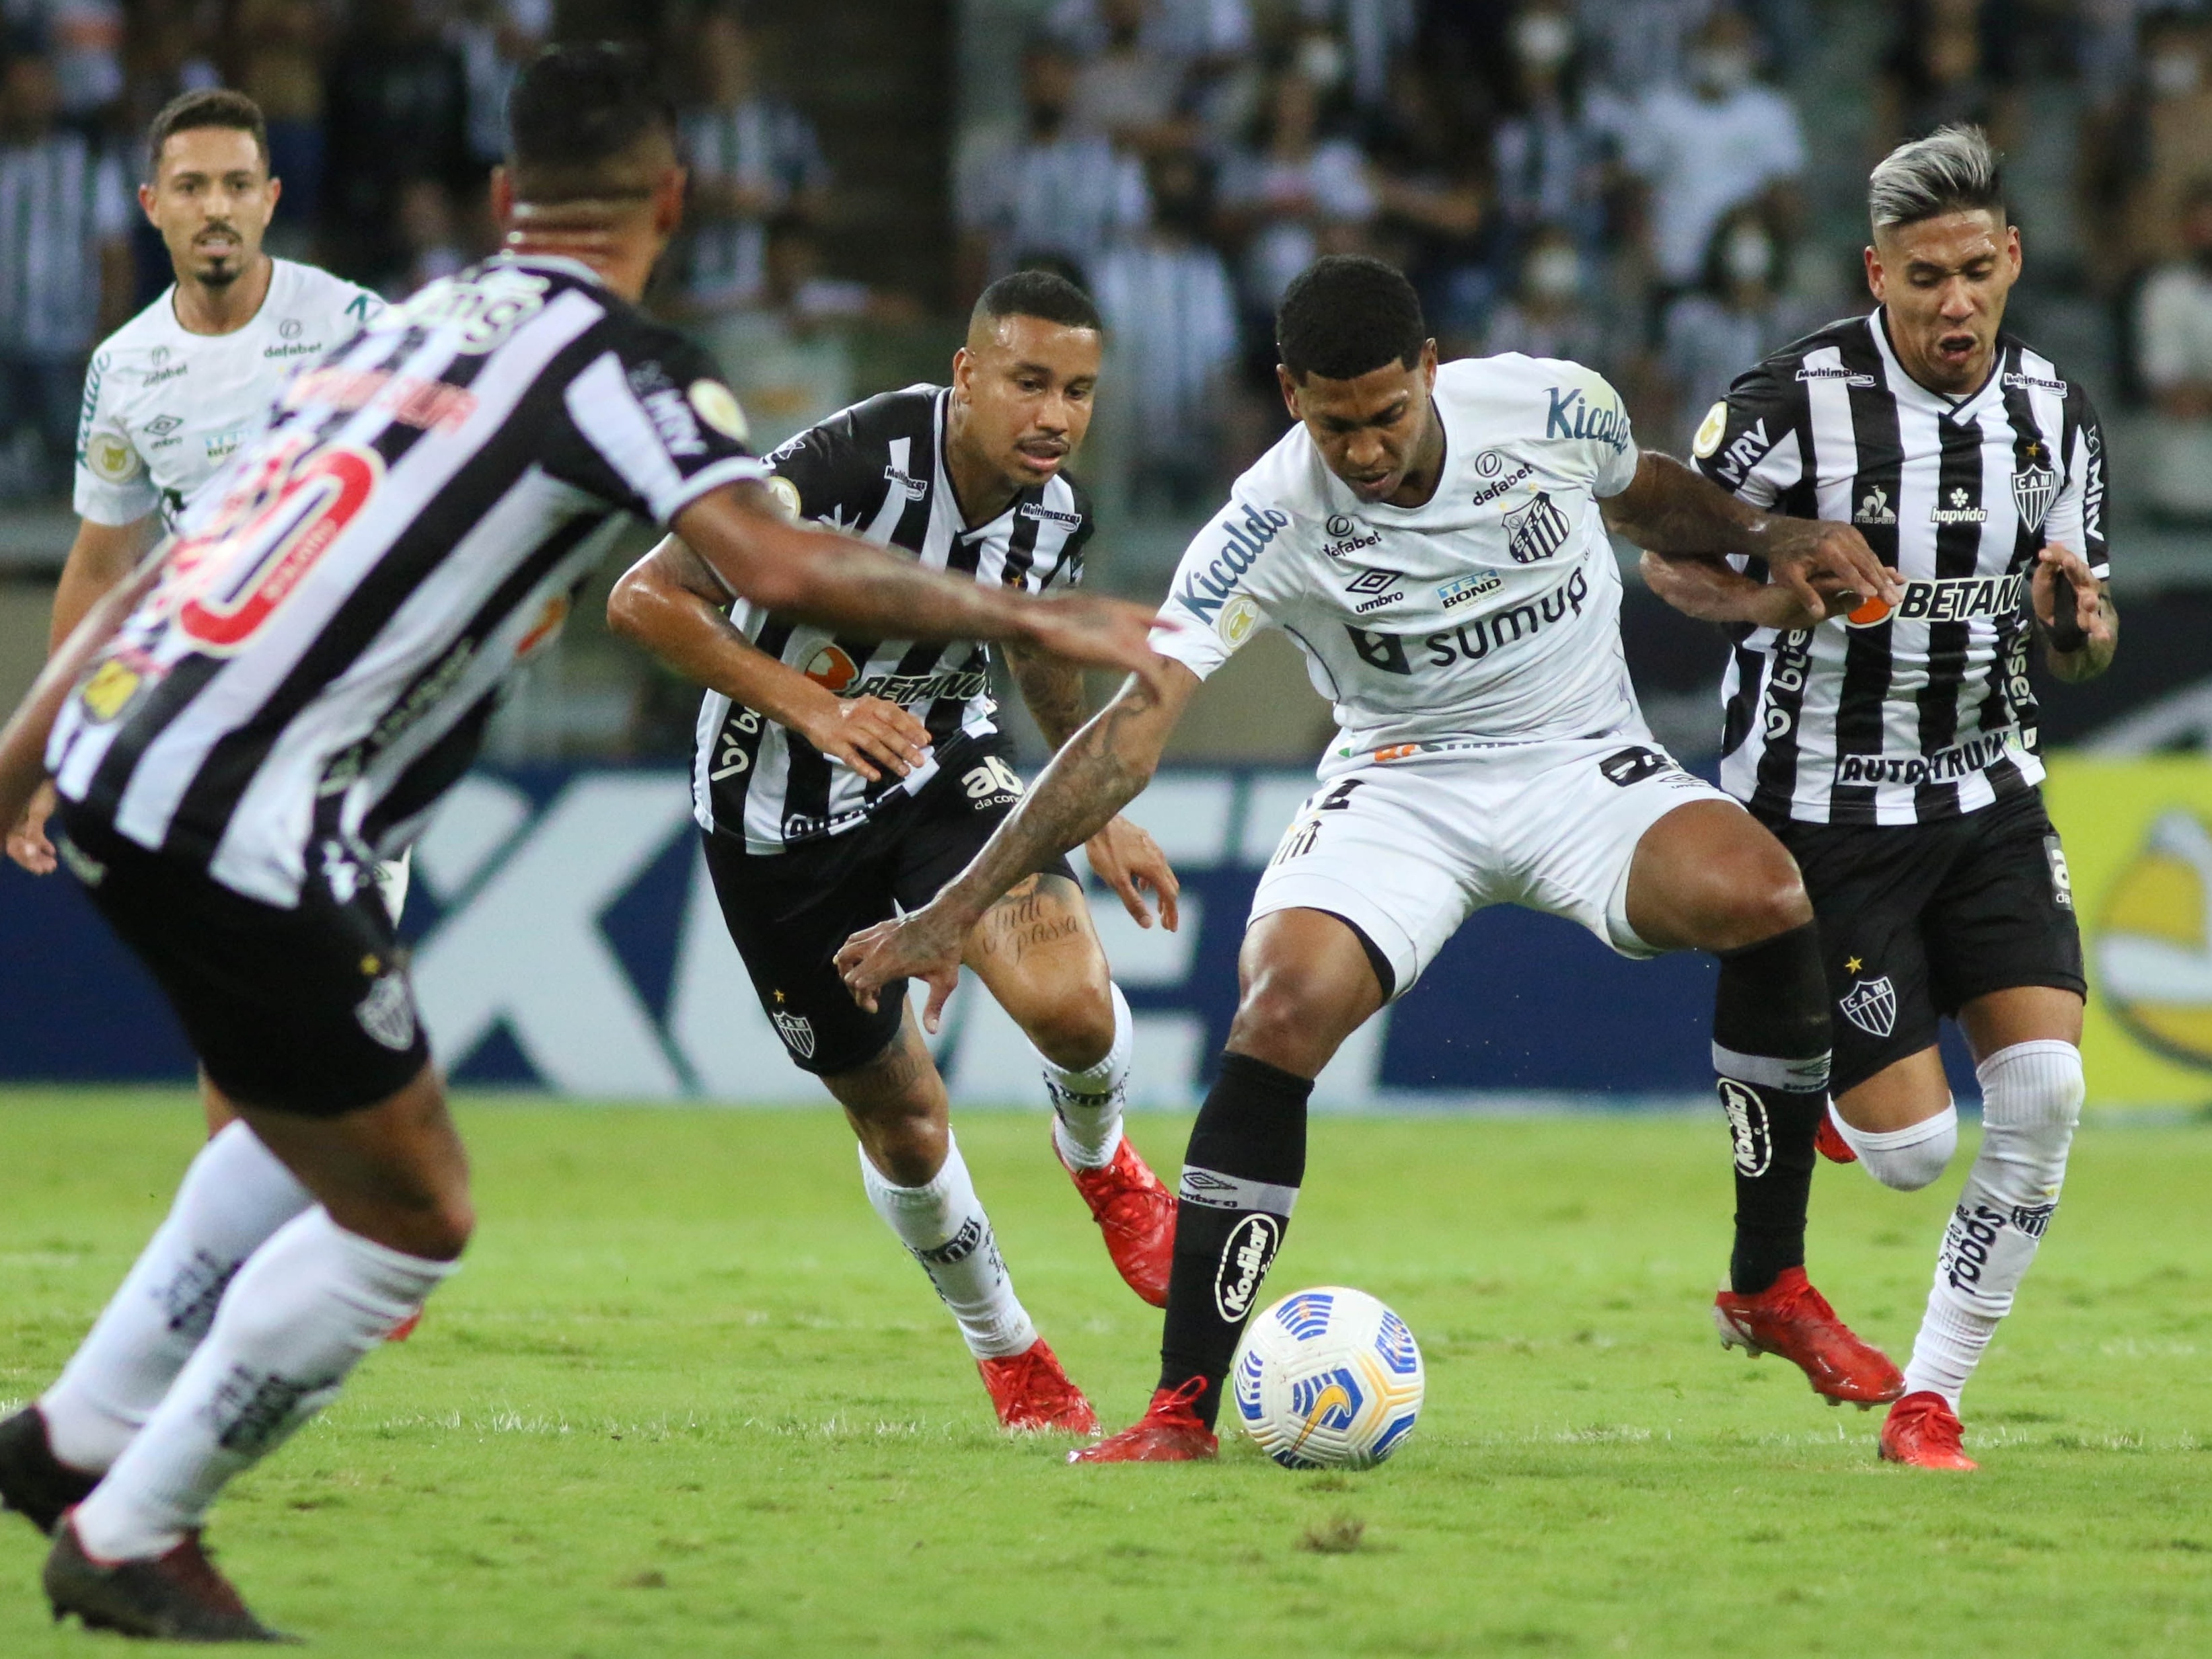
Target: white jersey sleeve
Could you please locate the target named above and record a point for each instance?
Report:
(1601, 430)
(1220, 596)
(112, 484)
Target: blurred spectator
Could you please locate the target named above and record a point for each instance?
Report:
(2169, 145)
(788, 363)
(1701, 150)
(807, 299)
(2174, 357)
(1550, 314)
(277, 48)
(435, 248)
(1171, 317)
(1639, 43)
(495, 38)
(1737, 315)
(1051, 191)
(397, 106)
(1296, 195)
(1130, 90)
(85, 40)
(1951, 62)
(1372, 32)
(1188, 31)
(1433, 201)
(169, 49)
(751, 156)
(1547, 154)
(64, 271)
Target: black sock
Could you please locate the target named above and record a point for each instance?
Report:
(1240, 1178)
(1771, 1048)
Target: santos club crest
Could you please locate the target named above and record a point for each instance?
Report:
(1536, 531)
(1871, 1004)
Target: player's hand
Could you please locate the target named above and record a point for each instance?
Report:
(866, 733)
(1099, 633)
(924, 945)
(1127, 859)
(26, 841)
(1822, 562)
(2070, 626)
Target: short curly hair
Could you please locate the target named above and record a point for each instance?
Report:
(1346, 315)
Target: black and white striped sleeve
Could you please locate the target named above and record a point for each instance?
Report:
(2076, 518)
(651, 427)
(1749, 443)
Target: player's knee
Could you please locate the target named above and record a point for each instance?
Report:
(1075, 1031)
(1288, 1021)
(449, 1226)
(1910, 1167)
(2032, 1096)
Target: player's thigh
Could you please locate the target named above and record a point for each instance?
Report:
(1306, 981)
(1390, 852)
(1909, 1090)
(1580, 814)
(1870, 888)
(788, 914)
(2002, 921)
(1709, 877)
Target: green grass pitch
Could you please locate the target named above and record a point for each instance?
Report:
(688, 1399)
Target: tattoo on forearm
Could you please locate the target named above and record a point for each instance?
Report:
(1053, 691)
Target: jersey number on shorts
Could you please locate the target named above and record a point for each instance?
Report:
(1298, 839)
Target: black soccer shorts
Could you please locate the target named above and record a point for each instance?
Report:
(790, 913)
(1918, 920)
(307, 1011)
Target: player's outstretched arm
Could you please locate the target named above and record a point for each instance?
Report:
(1101, 770)
(819, 576)
(102, 556)
(2075, 613)
(1122, 854)
(1669, 509)
(671, 604)
(1712, 590)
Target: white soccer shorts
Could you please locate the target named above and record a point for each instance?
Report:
(1409, 843)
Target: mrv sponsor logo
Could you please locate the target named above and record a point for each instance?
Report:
(1204, 592)
(1473, 639)
(1959, 761)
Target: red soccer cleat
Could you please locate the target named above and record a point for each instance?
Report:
(405, 1327)
(1828, 1140)
(1136, 1213)
(1922, 1432)
(1034, 1395)
(1170, 1431)
(1792, 1319)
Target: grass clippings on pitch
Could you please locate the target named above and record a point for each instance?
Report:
(689, 1399)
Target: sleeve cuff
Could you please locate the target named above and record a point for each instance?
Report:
(739, 469)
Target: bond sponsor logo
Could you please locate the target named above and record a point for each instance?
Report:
(1476, 639)
(797, 1032)
(1949, 599)
(1537, 530)
(1711, 430)
(388, 1014)
(221, 446)
(1959, 511)
(2034, 383)
(1571, 415)
(1835, 372)
(2033, 1219)
(1871, 1004)
(1245, 1257)
(1459, 589)
(1748, 1126)
(1749, 449)
(1205, 591)
(902, 479)
(2034, 487)
(1051, 515)
(1633, 765)
(1874, 507)
(1944, 766)
(1499, 485)
(2061, 879)
(1375, 582)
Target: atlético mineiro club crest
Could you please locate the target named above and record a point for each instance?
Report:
(1536, 531)
(1871, 1004)
(796, 1031)
(2034, 486)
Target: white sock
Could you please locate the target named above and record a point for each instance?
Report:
(1908, 1158)
(235, 1195)
(2030, 1102)
(943, 1225)
(1087, 1104)
(300, 1314)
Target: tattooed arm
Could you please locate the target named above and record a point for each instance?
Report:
(1122, 854)
(1101, 769)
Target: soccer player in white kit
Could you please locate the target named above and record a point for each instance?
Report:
(1434, 538)
(175, 390)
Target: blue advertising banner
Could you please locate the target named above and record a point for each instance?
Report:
(566, 938)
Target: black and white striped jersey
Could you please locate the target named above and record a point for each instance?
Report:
(345, 599)
(876, 471)
(1927, 712)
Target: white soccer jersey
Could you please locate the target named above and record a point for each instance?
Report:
(164, 407)
(1491, 614)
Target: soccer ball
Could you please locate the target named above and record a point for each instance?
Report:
(1327, 1379)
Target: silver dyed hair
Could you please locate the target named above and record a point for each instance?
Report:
(1952, 170)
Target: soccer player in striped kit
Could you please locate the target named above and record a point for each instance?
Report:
(1893, 748)
(838, 780)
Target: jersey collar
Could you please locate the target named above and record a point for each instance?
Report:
(560, 262)
(1913, 395)
(940, 427)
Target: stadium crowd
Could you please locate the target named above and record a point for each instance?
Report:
(1620, 181)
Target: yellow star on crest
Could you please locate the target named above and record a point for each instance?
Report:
(1852, 966)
